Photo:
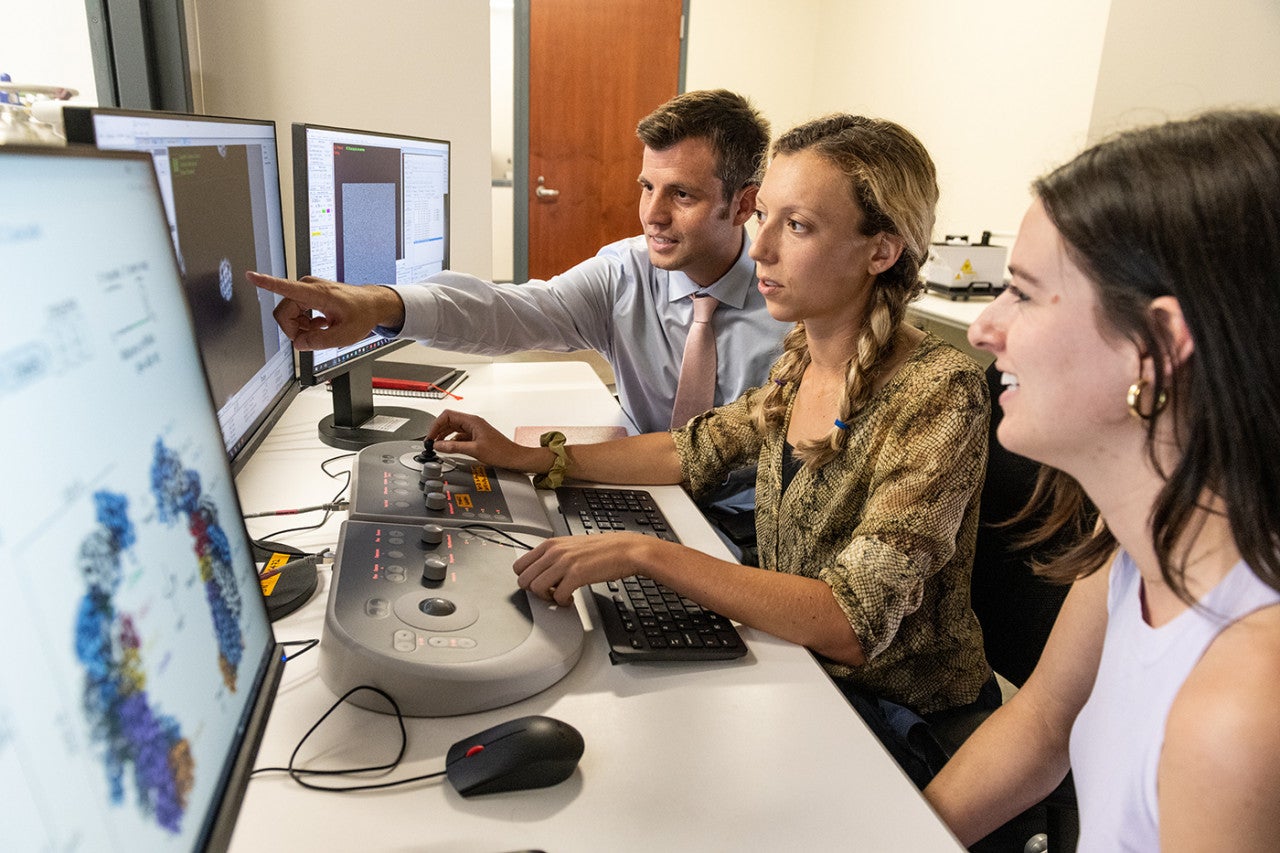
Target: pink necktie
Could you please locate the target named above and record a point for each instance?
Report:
(696, 392)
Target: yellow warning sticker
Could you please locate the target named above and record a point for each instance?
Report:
(269, 583)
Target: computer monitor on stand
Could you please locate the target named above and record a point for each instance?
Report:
(369, 208)
(141, 665)
(220, 182)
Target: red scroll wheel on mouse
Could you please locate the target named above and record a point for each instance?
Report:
(475, 750)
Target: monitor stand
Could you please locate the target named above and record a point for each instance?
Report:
(355, 423)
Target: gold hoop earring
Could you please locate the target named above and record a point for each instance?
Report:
(1134, 399)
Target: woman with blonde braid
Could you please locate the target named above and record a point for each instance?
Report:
(870, 438)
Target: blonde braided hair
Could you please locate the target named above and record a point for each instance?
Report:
(894, 183)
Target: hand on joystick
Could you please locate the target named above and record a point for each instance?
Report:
(428, 453)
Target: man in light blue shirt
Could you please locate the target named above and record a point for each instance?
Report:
(618, 303)
(704, 155)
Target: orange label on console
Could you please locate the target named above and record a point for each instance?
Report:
(481, 479)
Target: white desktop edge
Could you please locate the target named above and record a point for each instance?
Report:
(960, 313)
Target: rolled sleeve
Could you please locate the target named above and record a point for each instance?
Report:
(921, 493)
(715, 443)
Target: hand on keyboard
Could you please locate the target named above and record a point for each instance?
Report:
(557, 567)
(642, 619)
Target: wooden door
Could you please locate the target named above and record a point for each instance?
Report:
(596, 67)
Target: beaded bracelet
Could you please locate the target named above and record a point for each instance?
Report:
(553, 441)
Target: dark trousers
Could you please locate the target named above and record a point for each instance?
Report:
(906, 734)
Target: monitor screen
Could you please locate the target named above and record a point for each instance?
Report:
(220, 181)
(369, 208)
(140, 663)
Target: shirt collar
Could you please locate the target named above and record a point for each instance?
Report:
(731, 289)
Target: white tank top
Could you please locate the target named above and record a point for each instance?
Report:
(1116, 739)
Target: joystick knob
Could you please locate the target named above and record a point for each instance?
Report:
(428, 453)
(434, 569)
(432, 534)
(436, 500)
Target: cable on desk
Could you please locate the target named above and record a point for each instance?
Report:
(333, 506)
(307, 645)
(329, 508)
(297, 773)
(513, 543)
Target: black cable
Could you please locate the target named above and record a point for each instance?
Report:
(307, 645)
(478, 525)
(298, 510)
(333, 476)
(335, 501)
(297, 773)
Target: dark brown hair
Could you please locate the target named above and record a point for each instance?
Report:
(1189, 209)
(738, 134)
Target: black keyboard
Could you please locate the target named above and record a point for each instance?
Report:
(644, 620)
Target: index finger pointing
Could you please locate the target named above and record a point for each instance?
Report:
(281, 286)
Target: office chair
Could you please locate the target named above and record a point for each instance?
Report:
(1016, 609)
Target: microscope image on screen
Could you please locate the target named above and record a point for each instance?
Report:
(216, 246)
(367, 209)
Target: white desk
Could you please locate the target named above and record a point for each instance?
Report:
(956, 312)
(950, 320)
(762, 753)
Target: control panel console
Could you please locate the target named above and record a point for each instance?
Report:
(432, 614)
(406, 482)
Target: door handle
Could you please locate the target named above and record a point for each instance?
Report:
(544, 192)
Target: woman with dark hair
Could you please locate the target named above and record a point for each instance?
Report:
(1138, 343)
(870, 438)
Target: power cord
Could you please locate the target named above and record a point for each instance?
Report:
(297, 773)
(307, 645)
(489, 528)
(334, 505)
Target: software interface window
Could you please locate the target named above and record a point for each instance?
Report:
(377, 212)
(220, 184)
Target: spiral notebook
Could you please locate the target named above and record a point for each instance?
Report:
(408, 379)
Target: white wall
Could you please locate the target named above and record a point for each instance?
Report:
(1199, 55)
(998, 90)
(418, 67)
(764, 49)
(502, 87)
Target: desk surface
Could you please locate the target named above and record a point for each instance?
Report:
(763, 753)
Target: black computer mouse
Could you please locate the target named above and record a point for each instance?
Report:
(529, 752)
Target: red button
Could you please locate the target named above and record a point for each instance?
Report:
(475, 750)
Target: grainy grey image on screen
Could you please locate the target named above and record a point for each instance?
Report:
(369, 233)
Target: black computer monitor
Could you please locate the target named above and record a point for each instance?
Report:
(369, 208)
(140, 665)
(220, 181)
